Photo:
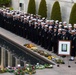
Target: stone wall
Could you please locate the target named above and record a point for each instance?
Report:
(15, 4)
(65, 5)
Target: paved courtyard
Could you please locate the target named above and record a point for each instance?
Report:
(63, 69)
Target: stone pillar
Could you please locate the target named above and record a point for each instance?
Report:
(24, 63)
(2, 57)
(17, 61)
(6, 57)
(13, 61)
(9, 59)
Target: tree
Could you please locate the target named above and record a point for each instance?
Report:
(72, 19)
(31, 7)
(56, 12)
(42, 9)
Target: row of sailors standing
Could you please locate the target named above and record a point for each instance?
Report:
(39, 30)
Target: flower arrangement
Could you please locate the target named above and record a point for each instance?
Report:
(29, 45)
(9, 69)
(3, 70)
(44, 53)
(48, 66)
(19, 71)
(39, 66)
(49, 57)
(30, 69)
(59, 61)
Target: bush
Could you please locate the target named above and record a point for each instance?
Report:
(56, 13)
(72, 19)
(11, 8)
(5, 2)
(31, 7)
(42, 9)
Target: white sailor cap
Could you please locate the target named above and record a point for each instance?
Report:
(22, 16)
(43, 23)
(39, 20)
(60, 29)
(73, 31)
(28, 17)
(14, 15)
(36, 23)
(31, 14)
(60, 22)
(8, 66)
(70, 26)
(64, 22)
(30, 21)
(51, 20)
(24, 12)
(47, 20)
(31, 17)
(25, 18)
(65, 26)
(63, 30)
(55, 27)
(18, 15)
(7, 8)
(43, 18)
(56, 21)
(46, 25)
(60, 25)
(50, 27)
(8, 13)
(74, 24)
(4, 12)
(34, 19)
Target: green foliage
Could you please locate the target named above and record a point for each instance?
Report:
(31, 7)
(42, 9)
(72, 19)
(11, 8)
(19, 72)
(56, 13)
(3, 71)
(5, 2)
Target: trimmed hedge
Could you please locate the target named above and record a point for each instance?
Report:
(5, 2)
(42, 9)
(31, 7)
(56, 12)
(72, 19)
(11, 8)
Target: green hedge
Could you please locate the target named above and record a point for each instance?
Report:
(5, 2)
(42, 9)
(72, 19)
(31, 7)
(56, 12)
(11, 8)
